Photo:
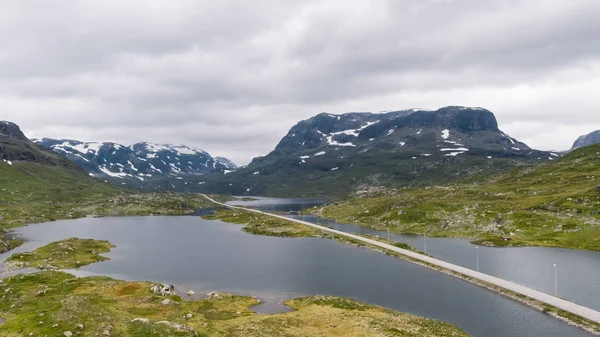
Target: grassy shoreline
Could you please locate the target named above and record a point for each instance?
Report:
(587, 237)
(54, 303)
(562, 315)
(552, 205)
(125, 203)
(65, 254)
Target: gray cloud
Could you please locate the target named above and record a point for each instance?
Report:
(233, 76)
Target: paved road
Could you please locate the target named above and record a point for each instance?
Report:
(576, 309)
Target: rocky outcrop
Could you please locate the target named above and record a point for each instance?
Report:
(163, 289)
(11, 131)
(177, 327)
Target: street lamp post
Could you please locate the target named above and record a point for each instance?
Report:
(477, 249)
(388, 230)
(555, 281)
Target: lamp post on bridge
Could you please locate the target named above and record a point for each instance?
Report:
(387, 226)
(555, 280)
(477, 249)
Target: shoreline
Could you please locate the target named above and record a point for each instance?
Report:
(567, 317)
(579, 322)
(474, 240)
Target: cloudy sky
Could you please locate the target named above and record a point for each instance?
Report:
(233, 76)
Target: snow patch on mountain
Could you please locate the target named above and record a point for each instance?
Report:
(348, 132)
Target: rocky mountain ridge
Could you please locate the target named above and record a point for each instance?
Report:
(15, 147)
(449, 131)
(337, 153)
(137, 163)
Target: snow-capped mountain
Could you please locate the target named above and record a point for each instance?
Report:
(332, 154)
(140, 161)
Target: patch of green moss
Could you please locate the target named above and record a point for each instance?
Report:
(259, 224)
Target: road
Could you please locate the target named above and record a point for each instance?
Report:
(560, 303)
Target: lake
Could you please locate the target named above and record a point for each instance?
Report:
(214, 256)
(578, 271)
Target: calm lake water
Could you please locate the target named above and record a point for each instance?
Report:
(578, 271)
(214, 256)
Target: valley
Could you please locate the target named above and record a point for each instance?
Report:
(42, 187)
(308, 168)
(39, 186)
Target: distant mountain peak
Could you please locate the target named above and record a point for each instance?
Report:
(586, 140)
(402, 130)
(16, 147)
(11, 131)
(139, 162)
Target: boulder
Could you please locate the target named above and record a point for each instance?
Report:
(68, 334)
(191, 293)
(163, 289)
(141, 320)
(177, 327)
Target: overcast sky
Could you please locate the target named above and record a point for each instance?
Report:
(233, 76)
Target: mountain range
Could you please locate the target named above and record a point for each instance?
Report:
(141, 165)
(326, 155)
(334, 154)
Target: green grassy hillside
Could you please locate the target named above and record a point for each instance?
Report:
(32, 192)
(555, 204)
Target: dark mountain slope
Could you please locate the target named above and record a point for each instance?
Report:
(330, 155)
